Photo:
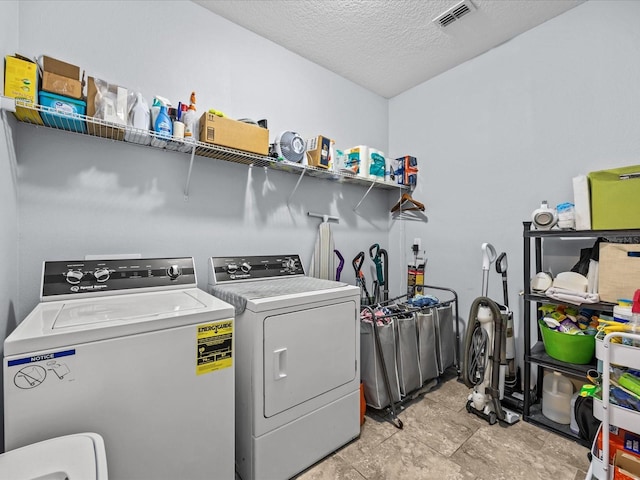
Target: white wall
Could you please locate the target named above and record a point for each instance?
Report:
(510, 128)
(8, 197)
(84, 195)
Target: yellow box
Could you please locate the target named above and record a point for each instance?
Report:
(21, 83)
(615, 198)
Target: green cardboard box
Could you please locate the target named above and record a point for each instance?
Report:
(615, 198)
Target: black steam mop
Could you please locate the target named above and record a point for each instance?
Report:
(485, 361)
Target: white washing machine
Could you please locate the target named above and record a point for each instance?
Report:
(297, 363)
(133, 351)
(73, 457)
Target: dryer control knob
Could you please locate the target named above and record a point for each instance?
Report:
(173, 271)
(232, 268)
(102, 274)
(245, 267)
(74, 276)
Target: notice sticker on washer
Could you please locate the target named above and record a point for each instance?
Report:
(215, 346)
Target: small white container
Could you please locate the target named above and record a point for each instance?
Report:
(556, 398)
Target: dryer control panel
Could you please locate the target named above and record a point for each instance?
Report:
(96, 276)
(234, 269)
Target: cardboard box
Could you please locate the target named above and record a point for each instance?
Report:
(61, 78)
(98, 129)
(318, 151)
(405, 170)
(233, 134)
(625, 466)
(619, 439)
(21, 83)
(615, 198)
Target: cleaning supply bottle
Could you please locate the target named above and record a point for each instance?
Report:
(139, 118)
(163, 125)
(158, 101)
(189, 119)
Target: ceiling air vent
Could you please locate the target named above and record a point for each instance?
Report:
(456, 12)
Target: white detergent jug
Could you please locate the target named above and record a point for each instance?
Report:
(556, 398)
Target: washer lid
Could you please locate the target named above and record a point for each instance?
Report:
(71, 322)
(125, 308)
(73, 457)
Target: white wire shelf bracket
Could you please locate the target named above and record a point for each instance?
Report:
(91, 126)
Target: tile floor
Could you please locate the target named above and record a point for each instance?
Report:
(441, 441)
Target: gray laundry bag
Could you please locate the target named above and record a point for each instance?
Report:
(427, 350)
(409, 373)
(375, 390)
(446, 339)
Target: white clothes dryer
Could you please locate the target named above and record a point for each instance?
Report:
(297, 363)
(131, 350)
(72, 457)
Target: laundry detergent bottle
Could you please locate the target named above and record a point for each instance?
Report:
(556, 398)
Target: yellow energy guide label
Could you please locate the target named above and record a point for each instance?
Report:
(215, 346)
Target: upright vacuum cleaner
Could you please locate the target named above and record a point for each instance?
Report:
(485, 360)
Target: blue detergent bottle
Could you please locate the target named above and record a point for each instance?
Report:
(163, 125)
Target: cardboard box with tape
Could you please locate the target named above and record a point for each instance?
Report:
(230, 133)
(62, 78)
(318, 151)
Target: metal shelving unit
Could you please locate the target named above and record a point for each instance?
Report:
(91, 126)
(536, 355)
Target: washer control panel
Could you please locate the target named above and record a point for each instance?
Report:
(92, 276)
(234, 269)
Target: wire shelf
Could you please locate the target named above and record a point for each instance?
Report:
(47, 117)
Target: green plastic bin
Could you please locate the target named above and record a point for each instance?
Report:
(578, 349)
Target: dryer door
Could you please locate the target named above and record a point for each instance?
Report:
(308, 353)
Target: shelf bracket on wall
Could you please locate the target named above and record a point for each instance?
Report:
(8, 104)
(296, 187)
(364, 196)
(186, 187)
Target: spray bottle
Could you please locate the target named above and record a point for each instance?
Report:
(163, 126)
(189, 119)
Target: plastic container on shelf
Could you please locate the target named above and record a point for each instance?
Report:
(576, 349)
(557, 391)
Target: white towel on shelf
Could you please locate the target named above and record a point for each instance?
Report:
(571, 296)
(323, 259)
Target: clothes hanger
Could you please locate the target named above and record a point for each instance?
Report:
(407, 198)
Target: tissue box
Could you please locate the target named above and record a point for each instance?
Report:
(615, 198)
(62, 112)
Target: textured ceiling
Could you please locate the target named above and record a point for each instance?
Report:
(386, 46)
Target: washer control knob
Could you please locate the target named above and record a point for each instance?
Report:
(74, 276)
(245, 267)
(102, 274)
(173, 271)
(232, 268)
